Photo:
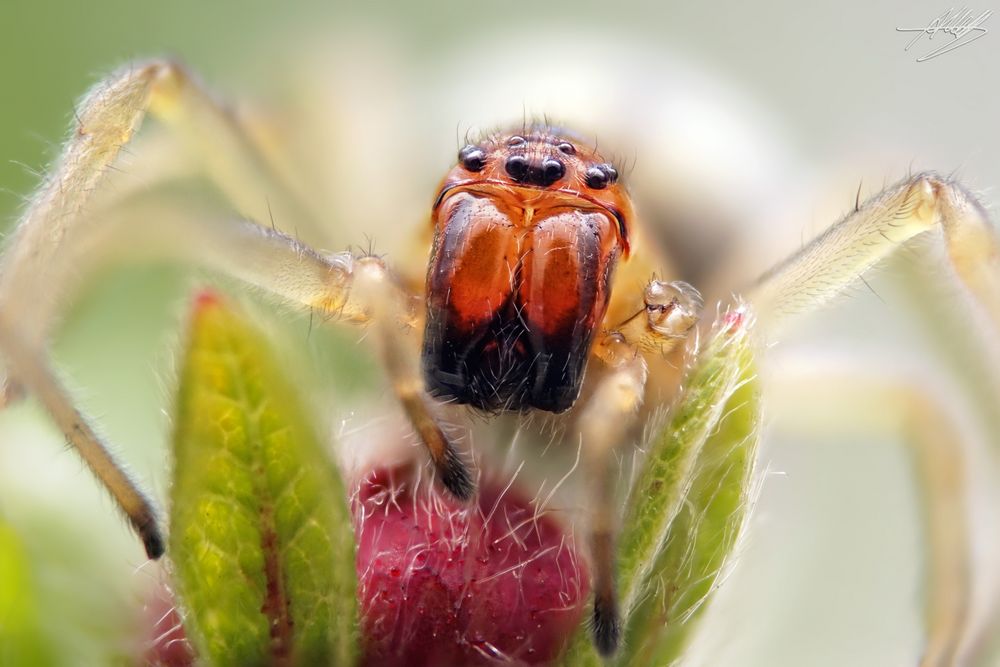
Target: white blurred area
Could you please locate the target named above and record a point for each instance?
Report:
(749, 130)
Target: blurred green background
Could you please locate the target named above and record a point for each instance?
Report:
(830, 574)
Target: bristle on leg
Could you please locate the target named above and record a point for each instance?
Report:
(606, 628)
(455, 475)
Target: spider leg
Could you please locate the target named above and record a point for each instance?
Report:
(61, 222)
(838, 257)
(392, 316)
(892, 403)
(669, 313)
(827, 265)
(355, 290)
(604, 423)
(109, 116)
(30, 366)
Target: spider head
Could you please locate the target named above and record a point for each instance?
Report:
(543, 164)
(528, 228)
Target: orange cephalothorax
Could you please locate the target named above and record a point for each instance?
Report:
(528, 229)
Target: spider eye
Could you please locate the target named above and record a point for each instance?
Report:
(472, 158)
(596, 178)
(600, 176)
(516, 140)
(567, 148)
(517, 167)
(552, 171)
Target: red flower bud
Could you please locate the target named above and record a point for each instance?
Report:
(442, 583)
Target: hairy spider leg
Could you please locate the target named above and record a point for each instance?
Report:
(58, 220)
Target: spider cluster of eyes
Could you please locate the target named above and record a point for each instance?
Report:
(523, 168)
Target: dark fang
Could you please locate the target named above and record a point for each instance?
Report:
(455, 475)
(606, 628)
(472, 158)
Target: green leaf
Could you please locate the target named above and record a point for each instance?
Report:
(688, 505)
(261, 535)
(23, 640)
(702, 536)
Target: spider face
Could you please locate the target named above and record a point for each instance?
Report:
(528, 228)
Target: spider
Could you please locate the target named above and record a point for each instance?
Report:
(520, 307)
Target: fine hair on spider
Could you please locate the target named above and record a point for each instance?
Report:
(518, 312)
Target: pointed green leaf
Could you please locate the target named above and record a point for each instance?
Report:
(668, 472)
(702, 536)
(261, 535)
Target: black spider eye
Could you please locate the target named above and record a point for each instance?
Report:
(552, 171)
(517, 167)
(472, 158)
(516, 140)
(567, 148)
(601, 175)
(596, 178)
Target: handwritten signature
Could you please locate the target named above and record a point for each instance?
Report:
(962, 25)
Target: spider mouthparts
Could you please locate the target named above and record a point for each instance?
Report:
(455, 475)
(606, 628)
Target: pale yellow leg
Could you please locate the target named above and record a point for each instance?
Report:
(604, 423)
(808, 279)
(61, 215)
(837, 258)
(245, 169)
(844, 400)
(60, 220)
(108, 117)
(30, 366)
(668, 314)
(393, 318)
